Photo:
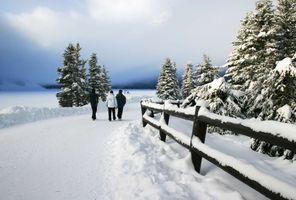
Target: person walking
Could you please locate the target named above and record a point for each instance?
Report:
(94, 99)
(121, 100)
(111, 104)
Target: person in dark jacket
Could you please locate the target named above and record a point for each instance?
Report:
(94, 99)
(121, 100)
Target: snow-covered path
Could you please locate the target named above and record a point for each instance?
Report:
(77, 158)
(60, 158)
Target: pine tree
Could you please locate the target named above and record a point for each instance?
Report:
(272, 91)
(80, 87)
(254, 51)
(264, 25)
(285, 17)
(105, 84)
(205, 72)
(66, 78)
(266, 36)
(221, 98)
(95, 71)
(277, 101)
(187, 85)
(72, 79)
(167, 85)
(241, 58)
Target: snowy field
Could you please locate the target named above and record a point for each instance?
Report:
(48, 152)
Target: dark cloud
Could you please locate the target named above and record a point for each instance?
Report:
(21, 59)
(35, 33)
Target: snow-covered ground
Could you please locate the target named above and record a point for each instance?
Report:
(47, 152)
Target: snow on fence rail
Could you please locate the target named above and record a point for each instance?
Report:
(277, 133)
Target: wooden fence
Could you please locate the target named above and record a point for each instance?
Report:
(264, 183)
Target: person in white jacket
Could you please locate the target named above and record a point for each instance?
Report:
(111, 104)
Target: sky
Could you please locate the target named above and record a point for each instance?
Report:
(132, 38)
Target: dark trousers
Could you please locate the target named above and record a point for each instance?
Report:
(113, 113)
(119, 112)
(94, 111)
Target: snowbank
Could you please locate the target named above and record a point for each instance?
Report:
(23, 107)
(22, 114)
(151, 169)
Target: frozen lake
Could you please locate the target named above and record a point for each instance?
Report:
(48, 98)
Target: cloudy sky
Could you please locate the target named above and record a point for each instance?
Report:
(131, 37)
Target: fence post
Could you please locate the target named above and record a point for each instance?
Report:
(166, 120)
(199, 130)
(151, 114)
(143, 110)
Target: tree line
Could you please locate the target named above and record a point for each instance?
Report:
(260, 81)
(168, 86)
(75, 83)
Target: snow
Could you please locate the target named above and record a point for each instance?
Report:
(285, 66)
(29, 99)
(237, 93)
(72, 157)
(262, 34)
(21, 114)
(248, 170)
(151, 169)
(151, 120)
(171, 107)
(216, 84)
(178, 135)
(153, 105)
(201, 102)
(273, 127)
(285, 111)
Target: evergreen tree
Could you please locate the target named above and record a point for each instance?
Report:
(167, 85)
(105, 83)
(254, 51)
(72, 79)
(241, 58)
(162, 79)
(205, 72)
(80, 87)
(285, 17)
(187, 85)
(95, 75)
(99, 79)
(266, 36)
(66, 78)
(221, 98)
(277, 101)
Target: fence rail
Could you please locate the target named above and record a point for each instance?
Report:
(201, 118)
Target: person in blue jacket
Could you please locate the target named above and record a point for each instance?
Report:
(121, 100)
